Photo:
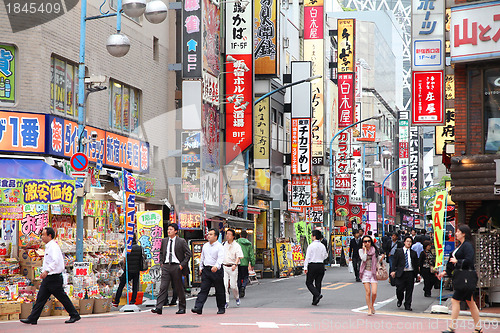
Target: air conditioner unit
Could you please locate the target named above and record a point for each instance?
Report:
(286, 42)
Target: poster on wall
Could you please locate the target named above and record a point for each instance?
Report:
(196, 247)
(191, 161)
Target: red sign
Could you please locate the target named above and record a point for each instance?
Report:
(403, 149)
(342, 207)
(79, 161)
(313, 22)
(239, 113)
(346, 99)
(368, 132)
(428, 98)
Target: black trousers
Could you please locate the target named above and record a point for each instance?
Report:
(51, 285)
(135, 287)
(171, 273)
(404, 288)
(429, 280)
(209, 279)
(356, 264)
(315, 273)
(242, 277)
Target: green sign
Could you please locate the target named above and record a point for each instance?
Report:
(7, 73)
(34, 191)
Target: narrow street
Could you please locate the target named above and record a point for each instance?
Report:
(279, 304)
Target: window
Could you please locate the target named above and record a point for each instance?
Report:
(114, 4)
(124, 107)
(274, 130)
(64, 87)
(156, 48)
(492, 109)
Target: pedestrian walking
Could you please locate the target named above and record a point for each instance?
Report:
(462, 260)
(246, 264)
(174, 258)
(368, 271)
(417, 245)
(405, 269)
(391, 248)
(427, 263)
(354, 247)
(134, 267)
(314, 266)
(232, 257)
(212, 256)
(52, 281)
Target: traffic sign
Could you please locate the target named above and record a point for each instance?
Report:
(79, 161)
(79, 174)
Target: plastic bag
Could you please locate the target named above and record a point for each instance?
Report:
(350, 267)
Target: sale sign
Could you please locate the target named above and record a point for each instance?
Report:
(82, 268)
(438, 211)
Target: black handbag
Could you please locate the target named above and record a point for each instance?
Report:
(465, 280)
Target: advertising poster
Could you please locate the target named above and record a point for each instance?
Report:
(301, 191)
(22, 191)
(8, 74)
(196, 247)
(191, 162)
(149, 236)
(284, 253)
(35, 218)
(298, 256)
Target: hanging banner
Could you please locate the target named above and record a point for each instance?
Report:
(129, 203)
(414, 167)
(355, 216)
(266, 50)
(191, 161)
(438, 211)
(346, 99)
(261, 134)
(149, 236)
(356, 193)
(428, 98)
(345, 37)
(341, 205)
(210, 126)
(211, 37)
(35, 218)
(301, 191)
(404, 158)
(300, 230)
(41, 191)
(301, 146)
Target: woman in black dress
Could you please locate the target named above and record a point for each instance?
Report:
(462, 258)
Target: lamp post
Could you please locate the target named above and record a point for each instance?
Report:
(383, 197)
(330, 186)
(247, 154)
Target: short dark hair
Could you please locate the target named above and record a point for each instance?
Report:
(216, 231)
(395, 234)
(317, 234)
(50, 231)
(465, 229)
(243, 234)
(406, 237)
(173, 225)
(232, 231)
(426, 243)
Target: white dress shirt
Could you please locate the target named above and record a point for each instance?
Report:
(232, 252)
(212, 255)
(53, 261)
(410, 267)
(174, 258)
(316, 253)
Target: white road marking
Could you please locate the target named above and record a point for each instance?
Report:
(265, 324)
(283, 279)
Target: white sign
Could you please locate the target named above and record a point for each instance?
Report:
(474, 32)
(427, 53)
(301, 146)
(82, 268)
(239, 23)
(356, 177)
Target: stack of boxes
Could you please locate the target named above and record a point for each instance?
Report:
(10, 310)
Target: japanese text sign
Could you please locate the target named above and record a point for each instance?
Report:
(191, 161)
(301, 146)
(82, 268)
(189, 221)
(261, 140)
(356, 177)
(130, 188)
(149, 236)
(35, 218)
(191, 41)
(414, 166)
(368, 133)
(266, 50)
(404, 195)
(22, 132)
(427, 18)
(445, 134)
(342, 161)
(475, 31)
(126, 153)
(239, 114)
(313, 22)
(239, 23)
(7, 73)
(346, 31)
(346, 99)
(428, 98)
(34, 191)
(301, 191)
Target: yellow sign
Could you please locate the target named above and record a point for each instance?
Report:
(445, 133)
(261, 134)
(263, 179)
(284, 263)
(438, 212)
(345, 39)
(266, 50)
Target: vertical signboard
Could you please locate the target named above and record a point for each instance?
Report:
(301, 191)
(342, 163)
(7, 74)
(211, 37)
(266, 32)
(261, 144)
(428, 98)
(346, 99)
(191, 39)
(314, 51)
(428, 18)
(414, 166)
(129, 203)
(301, 146)
(445, 134)
(345, 37)
(301, 93)
(404, 195)
(190, 162)
(210, 125)
(357, 177)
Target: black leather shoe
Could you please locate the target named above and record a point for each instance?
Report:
(221, 311)
(172, 303)
(407, 308)
(316, 300)
(72, 320)
(358, 280)
(399, 304)
(427, 295)
(26, 321)
(196, 310)
(157, 311)
(181, 311)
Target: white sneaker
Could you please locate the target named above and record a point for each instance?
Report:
(238, 302)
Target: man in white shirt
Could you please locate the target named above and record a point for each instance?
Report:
(232, 256)
(52, 280)
(314, 266)
(211, 259)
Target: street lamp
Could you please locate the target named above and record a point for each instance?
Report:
(383, 197)
(330, 162)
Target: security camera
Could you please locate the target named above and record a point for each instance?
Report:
(93, 136)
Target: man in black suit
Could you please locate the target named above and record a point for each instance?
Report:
(174, 257)
(354, 247)
(405, 269)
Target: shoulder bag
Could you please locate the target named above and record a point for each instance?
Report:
(382, 273)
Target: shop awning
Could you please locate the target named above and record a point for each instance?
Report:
(30, 169)
(251, 209)
(237, 222)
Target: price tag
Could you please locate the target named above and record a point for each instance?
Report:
(82, 268)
